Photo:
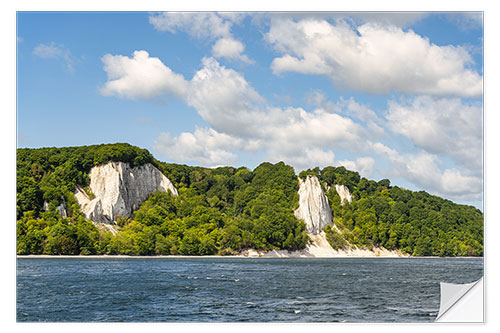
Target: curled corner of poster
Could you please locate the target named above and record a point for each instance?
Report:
(462, 303)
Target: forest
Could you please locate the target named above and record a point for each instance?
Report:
(222, 211)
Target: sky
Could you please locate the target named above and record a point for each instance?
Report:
(390, 95)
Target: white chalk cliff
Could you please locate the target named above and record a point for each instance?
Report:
(314, 208)
(119, 190)
(344, 194)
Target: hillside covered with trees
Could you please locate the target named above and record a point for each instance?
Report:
(226, 210)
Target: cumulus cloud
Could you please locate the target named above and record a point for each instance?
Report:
(382, 149)
(365, 115)
(427, 171)
(227, 102)
(294, 126)
(199, 25)
(209, 25)
(234, 111)
(302, 158)
(374, 58)
(422, 169)
(221, 96)
(224, 99)
(205, 146)
(441, 126)
(239, 118)
(231, 49)
(190, 147)
(318, 98)
(363, 165)
(140, 76)
(398, 19)
(55, 51)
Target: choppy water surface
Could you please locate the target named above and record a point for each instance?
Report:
(236, 289)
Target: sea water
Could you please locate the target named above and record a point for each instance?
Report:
(236, 289)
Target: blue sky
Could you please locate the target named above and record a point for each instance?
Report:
(391, 95)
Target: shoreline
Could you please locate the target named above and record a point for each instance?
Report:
(122, 256)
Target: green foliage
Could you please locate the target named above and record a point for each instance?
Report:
(312, 172)
(223, 211)
(340, 176)
(335, 239)
(55, 235)
(417, 223)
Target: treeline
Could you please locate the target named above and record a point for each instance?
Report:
(226, 210)
(218, 211)
(223, 211)
(416, 223)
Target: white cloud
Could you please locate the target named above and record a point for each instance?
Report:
(221, 96)
(202, 146)
(302, 158)
(231, 49)
(234, 111)
(441, 126)
(141, 76)
(224, 99)
(199, 25)
(382, 149)
(363, 165)
(423, 170)
(50, 51)
(375, 59)
(318, 98)
(398, 19)
(360, 113)
(209, 26)
(317, 128)
(366, 115)
(452, 181)
(55, 51)
(227, 102)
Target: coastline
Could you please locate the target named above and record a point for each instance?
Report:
(121, 256)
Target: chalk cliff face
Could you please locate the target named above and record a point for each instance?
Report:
(313, 205)
(119, 190)
(344, 194)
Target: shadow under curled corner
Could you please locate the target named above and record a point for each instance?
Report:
(462, 303)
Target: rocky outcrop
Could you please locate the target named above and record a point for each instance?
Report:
(344, 194)
(61, 209)
(313, 205)
(119, 190)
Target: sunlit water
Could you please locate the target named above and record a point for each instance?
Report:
(236, 289)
